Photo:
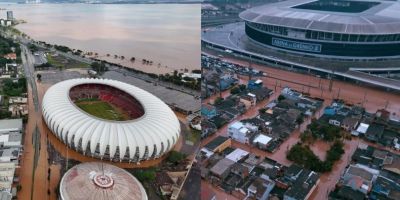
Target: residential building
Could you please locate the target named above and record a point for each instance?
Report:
(222, 168)
(239, 132)
(303, 186)
(254, 84)
(260, 188)
(208, 111)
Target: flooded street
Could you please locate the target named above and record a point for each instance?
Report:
(371, 98)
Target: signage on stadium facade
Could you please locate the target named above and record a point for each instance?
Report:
(316, 48)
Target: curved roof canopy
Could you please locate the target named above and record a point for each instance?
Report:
(146, 137)
(100, 181)
(381, 19)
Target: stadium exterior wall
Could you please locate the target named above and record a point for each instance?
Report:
(322, 48)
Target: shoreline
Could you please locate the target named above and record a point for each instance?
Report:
(111, 59)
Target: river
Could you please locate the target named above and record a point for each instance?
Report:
(167, 34)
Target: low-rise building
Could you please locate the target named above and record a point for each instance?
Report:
(222, 168)
(239, 132)
(303, 186)
(260, 188)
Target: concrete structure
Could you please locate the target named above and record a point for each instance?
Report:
(151, 131)
(237, 155)
(218, 144)
(7, 171)
(99, 181)
(261, 141)
(330, 28)
(10, 15)
(239, 132)
(10, 125)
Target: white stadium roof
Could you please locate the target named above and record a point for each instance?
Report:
(380, 19)
(100, 181)
(156, 131)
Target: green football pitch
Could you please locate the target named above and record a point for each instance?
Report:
(101, 109)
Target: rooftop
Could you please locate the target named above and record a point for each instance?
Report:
(216, 142)
(7, 125)
(355, 17)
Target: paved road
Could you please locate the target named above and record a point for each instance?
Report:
(28, 60)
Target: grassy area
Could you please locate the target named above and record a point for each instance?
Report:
(65, 63)
(100, 109)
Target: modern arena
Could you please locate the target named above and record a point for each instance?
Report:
(110, 120)
(327, 28)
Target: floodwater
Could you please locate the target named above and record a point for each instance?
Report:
(167, 34)
(371, 98)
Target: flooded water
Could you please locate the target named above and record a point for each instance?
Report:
(167, 34)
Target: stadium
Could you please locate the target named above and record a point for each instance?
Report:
(111, 120)
(100, 181)
(327, 28)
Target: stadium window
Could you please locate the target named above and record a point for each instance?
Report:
(336, 36)
(390, 37)
(345, 37)
(397, 37)
(353, 38)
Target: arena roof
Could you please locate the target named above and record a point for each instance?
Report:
(154, 133)
(382, 18)
(100, 181)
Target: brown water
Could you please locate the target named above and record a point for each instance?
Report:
(167, 34)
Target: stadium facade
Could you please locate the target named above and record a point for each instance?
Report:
(328, 28)
(151, 130)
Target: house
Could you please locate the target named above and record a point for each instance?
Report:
(240, 170)
(362, 129)
(359, 178)
(218, 144)
(254, 84)
(239, 132)
(208, 111)
(336, 120)
(165, 183)
(10, 56)
(261, 141)
(260, 188)
(329, 111)
(374, 132)
(288, 93)
(346, 192)
(11, 125)
(349, 123)
(237, 155)
(262, 93)
(248, 100)
(385, 188)
(303, 186)
(222, 168)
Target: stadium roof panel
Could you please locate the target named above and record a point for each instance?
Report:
(100, 181)
(382, 18)
(154, 133)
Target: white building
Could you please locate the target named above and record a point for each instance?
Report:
(262, 141)
(237, 155)
(10, 125)
(239, 132)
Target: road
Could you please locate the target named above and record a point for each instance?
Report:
(37, 177)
